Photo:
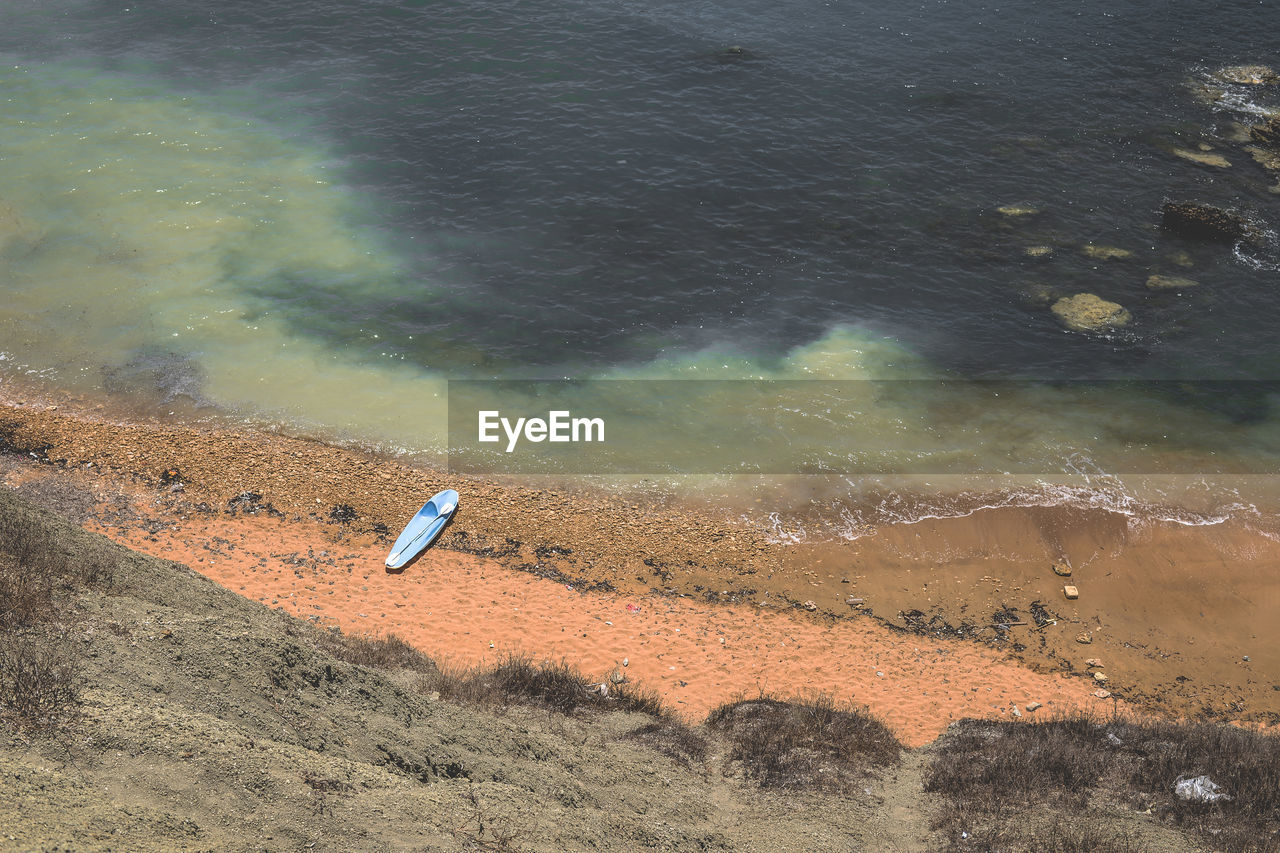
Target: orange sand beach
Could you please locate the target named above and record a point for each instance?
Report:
(576, 587)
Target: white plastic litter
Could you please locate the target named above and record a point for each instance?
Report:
(1201, 789)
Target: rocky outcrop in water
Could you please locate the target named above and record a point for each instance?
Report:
(1247, 75)
(1202, 222)
(1106, 253)
(1204, 158)
(1267, 133)
(1088, 312)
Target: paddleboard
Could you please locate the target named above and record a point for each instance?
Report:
(423, 528)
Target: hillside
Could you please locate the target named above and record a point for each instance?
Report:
(205, 721)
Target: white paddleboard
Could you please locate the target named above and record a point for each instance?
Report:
(423, 528)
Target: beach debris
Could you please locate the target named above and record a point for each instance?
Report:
(1100, 677)
(1200, 789)
(1034, 706)
(1084, 639)
(1105, 253)
(1102, 694)
(1038, 251)
(1094, 662)
(1114, 740)
(1246, 75)
(1215, 160)
(1202, 221)
(854, 602)
(1017, 712)
(1170, 282)
(809, 605)
(1246, 658)
(343, 514)
(1088, 312)
(626, 661)
(1061, 571)
(631, 608)
(1070, 592)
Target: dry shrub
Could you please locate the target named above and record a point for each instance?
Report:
(386, 652)
(808, 743)
(26, 596)
(1000, 764)
(39, 678)
(517, 680)
(996, 774)
(39, 666)
(1245, 763)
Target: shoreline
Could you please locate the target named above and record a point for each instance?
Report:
(711, 578)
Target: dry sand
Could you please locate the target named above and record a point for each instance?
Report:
(704, 613)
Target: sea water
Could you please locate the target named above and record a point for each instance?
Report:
(310, 216)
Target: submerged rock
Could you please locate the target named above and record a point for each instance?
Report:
(1202, 158)
(1267, 159)
(1039, 295)
(1016, 210)
(1267, 133)
(1106, 253)
(1088, 312)
(1247, 75)
(1170, 282)
(1202, 222)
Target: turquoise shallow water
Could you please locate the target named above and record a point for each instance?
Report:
(312, 215)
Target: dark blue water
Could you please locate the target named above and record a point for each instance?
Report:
(577, 184)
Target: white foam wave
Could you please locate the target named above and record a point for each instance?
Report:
(854, 517)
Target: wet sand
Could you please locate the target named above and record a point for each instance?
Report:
(706, 612)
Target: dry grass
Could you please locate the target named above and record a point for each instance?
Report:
(674, 739)
(555, 686)
(809, 743)
(388, 652)
(996, 774)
